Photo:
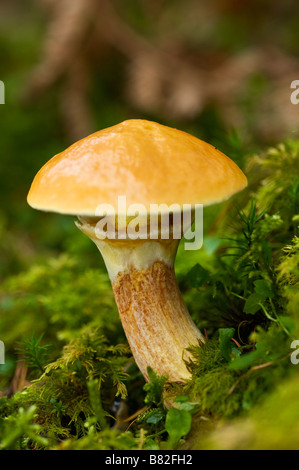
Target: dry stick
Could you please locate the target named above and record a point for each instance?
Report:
(262, 366)
(136, 414)
(236, 342)
(253, 369)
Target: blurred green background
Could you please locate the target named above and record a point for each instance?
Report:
(220, 70)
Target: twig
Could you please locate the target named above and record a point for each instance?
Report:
(253, 369)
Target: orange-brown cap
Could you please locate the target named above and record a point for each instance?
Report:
(147, 162)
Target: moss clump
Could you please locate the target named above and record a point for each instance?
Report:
(85, 392)
(272, 425)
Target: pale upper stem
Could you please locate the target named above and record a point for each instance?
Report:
(155, 319)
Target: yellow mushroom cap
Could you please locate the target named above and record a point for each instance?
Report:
(145, 161)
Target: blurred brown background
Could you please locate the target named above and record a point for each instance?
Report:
(220, 70)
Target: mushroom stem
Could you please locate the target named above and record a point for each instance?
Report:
(155, 319)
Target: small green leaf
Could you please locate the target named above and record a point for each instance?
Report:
(177, 424)
(263, 288)
(182, 399)
(225, 336)
(154, 418)
(183, 403)
(151, 445)
(198, 275)
(248, 359)
(235, 353)
(252, 304)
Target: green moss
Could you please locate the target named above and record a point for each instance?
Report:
(272, 425)
(242, 287)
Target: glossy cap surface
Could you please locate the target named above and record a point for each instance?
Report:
(145, 161)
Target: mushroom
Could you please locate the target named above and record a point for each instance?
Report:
(152, 165)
